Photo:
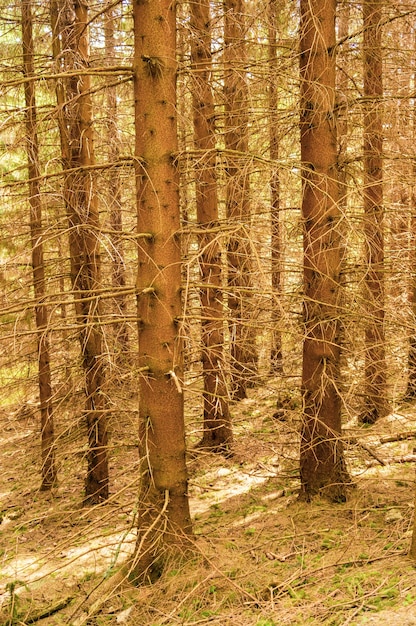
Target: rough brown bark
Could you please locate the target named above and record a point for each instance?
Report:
(276, 356)
(163, 516)
(48, 470)
(70, 40)
(242, 334)
(217, 434)
(376, 403)
(322, 466)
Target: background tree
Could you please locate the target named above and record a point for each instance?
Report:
(276, 236)
(217, 434)
(240, 288)
(48, 469)
(71, 30)
(118, 275)
(376, 404)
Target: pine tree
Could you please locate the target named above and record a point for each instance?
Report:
(48, 470)
(163, 516)
(322, 465)
(240, 289)
(70, 41)
(217, 422)
(376, 403)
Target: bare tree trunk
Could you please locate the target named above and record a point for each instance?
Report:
(48, 470)
(163, 517)
(70, 37)
(376, 403)
(217, 422)
(276, 356)
(118, 276)
(242, 333)
(411, 359)
(322, 466)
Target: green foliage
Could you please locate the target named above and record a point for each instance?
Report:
(216, 511)
(13, 608)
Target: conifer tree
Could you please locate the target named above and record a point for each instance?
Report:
(163, 516)
(322, 466)
(376, 403)
(217, 434)
(48, 470)
(71, 49)
(240, 288)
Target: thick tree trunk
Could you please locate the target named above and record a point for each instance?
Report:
(322, 466)
(70, 37)
(240, 284)
(376, 403)
(48, 470)
(217, 434)
(118, 275)
(276, 356)
(163, 517)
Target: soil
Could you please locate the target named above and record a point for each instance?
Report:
(261, 558)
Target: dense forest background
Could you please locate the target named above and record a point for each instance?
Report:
(207, 311)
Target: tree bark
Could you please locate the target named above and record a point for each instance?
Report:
(48, 470)
(376, 403)
(242, 334)
(163, 517)
(217, 434)
(322, 466)
(411, 359)
(276, 355)
(70, 40)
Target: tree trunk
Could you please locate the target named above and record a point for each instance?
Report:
(48, 470)
(70, 37)
(163, 517)
(276, 356)
(322, 465)
(341, 118)
(240, 286)
(411, 359)
(118, 276)
(376, 403)
(217, 422)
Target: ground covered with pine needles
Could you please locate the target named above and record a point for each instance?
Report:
(261, 556)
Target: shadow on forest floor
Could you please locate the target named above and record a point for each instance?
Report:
(262, 557)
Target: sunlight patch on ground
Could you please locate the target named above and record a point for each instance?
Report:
(102, 553)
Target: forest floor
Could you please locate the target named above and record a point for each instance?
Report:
(262, 557)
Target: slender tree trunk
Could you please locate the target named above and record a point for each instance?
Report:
(163, 517)
(376, 403)
(48, 470)
(118, 275)
(412, 551)
(341, 119)
(322, 466)
(276, 356)
(217, 422)
(70, 37)
(242, 334)
(411, 360)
